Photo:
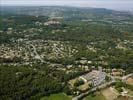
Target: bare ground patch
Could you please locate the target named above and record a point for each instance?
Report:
(130, 81)
(108, 94)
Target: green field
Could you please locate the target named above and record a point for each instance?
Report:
(124, 98)
(59, 96)
(96, 96)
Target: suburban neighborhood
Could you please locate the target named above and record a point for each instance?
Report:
(65, 53)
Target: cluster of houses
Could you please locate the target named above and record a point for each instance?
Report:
(117, 72)
(51, 22)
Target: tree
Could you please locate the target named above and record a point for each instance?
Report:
(107, 78)
(78, 83)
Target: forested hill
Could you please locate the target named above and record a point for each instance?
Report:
(44, 9)
(56, 10)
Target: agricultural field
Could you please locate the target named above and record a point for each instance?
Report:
(95, 96)
(59, 96)
(109, 94)
(124, 98)
(130, 81)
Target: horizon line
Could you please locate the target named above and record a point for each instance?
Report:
(11, 5)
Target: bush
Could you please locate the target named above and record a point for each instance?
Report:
(78, 83)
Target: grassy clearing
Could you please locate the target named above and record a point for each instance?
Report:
(96, 96)
(71, 82)
(109, 94)
(124, 98)
(59, 96)
(130, 92)
(84, 87)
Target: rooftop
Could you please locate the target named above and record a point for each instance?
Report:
(91, 75)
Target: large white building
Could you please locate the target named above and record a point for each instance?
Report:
(95, 77)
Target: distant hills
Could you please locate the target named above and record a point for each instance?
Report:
(73, 13)
(45, 10)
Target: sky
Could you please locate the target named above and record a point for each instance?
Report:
(126, 5)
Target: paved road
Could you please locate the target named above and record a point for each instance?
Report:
(93, 89)
(101, 86)
(121, 78)
(35, 52)
(127, 76)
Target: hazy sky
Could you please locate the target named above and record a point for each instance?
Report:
(111, 4)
